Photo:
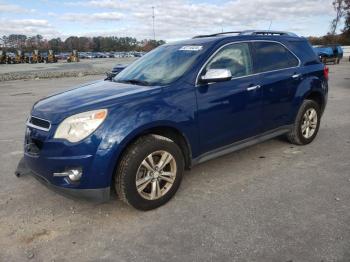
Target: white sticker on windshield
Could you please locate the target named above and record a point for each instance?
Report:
(191, 48)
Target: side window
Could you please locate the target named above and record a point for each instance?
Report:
(302, 48)
(235, 57)
(273, 56)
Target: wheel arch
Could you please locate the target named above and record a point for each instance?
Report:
(167, 131)
(318, 97)
(311, 87)
(175, 135)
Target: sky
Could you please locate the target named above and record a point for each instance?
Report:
(174, 19)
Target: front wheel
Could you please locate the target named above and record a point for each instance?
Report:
(150, 172)
(306, 123)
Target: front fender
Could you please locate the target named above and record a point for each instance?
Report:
(175, 110)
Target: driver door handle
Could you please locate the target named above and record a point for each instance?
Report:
(296, 76)
(251, 88)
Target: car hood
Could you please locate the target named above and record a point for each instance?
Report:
(99, 94)
(324, 51)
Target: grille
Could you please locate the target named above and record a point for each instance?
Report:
(39, 123)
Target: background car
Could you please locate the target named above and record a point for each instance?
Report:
(116, 70)
(330, 53)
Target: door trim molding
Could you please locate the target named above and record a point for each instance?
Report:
(241, 144)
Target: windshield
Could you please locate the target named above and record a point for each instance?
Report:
(162, 66)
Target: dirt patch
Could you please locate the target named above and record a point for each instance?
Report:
(44, 75)
(39, 235)
(23, 94)
(61, 69)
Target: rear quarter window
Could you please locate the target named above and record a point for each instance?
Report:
(273, 56)
(304, 51)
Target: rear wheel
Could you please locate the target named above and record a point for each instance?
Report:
(150, 172)
(306, 123)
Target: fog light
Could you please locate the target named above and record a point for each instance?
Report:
(73, 174)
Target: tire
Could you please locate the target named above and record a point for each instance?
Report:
(132, 169)
(296, 135)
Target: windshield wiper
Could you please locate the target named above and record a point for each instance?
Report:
(134, 82)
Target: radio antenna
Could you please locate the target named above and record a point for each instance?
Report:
(270, 25)
(153, 17)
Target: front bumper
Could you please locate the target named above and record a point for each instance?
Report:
(95, 194)
(46, 158)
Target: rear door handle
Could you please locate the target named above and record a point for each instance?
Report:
(251, 88)
(296, 76)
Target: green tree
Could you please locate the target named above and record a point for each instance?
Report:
(71, 43)
(346, 29)
(99, 43)
(339, 7)
(55, 44)
(16, 41)
(342, 10)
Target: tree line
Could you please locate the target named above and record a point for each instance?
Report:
(342, 11)
(341, 39)
(112, 43)
(83, 44)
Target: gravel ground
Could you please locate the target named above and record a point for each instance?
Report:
(270, 202)
(60, 69)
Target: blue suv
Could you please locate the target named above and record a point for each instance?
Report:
(180, 105)
(330, 53)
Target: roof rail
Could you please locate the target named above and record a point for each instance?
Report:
(218, 34)
(266, 32)
(250, 32)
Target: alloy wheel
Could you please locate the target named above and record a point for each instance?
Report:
(156, 175)
(309, 123)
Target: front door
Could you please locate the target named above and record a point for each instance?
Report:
(231, 110)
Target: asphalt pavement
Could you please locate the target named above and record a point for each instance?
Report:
(269, 202)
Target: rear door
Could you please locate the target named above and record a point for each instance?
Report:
(280, 75)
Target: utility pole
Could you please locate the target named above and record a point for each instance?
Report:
(153, 17)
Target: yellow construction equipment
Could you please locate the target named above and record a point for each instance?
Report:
(73, 57)
(51, 58)
(36, 57)
(19, 58)
(3, 57)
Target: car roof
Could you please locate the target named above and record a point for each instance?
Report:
(217, 39)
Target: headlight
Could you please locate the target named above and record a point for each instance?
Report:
(77, 127)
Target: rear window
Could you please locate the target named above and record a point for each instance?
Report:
(273, 56)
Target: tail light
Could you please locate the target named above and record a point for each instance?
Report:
(326, 72)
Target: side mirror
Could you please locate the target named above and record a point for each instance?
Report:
(216, 75)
